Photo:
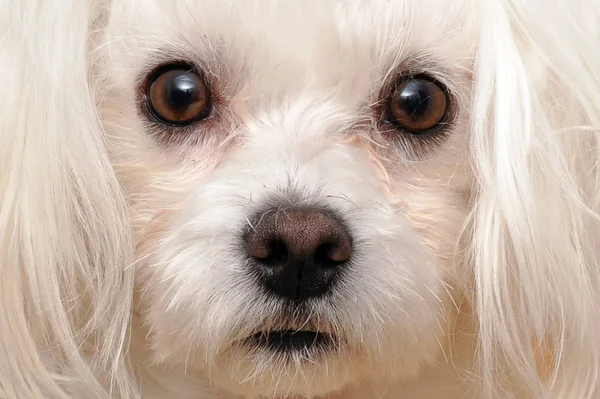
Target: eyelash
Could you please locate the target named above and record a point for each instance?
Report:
(174, 135)
(414, 146)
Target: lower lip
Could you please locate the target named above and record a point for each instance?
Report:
(291, 341)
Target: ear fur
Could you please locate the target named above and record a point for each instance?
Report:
(536, 124)
(65, 284)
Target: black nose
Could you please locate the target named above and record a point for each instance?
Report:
(298, 252)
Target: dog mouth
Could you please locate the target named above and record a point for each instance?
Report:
(289, 341)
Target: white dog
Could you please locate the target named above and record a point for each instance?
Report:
(335, 199)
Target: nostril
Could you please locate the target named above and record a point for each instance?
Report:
(274, 252)
(330, 255)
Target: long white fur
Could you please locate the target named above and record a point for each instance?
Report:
(88, 199)
(536, 251)
(64, 237)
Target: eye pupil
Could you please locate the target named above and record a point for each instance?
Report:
(182, 92)
(178, 96)
(418, 105)
(414, 98)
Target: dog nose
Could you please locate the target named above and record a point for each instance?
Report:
(298, 252)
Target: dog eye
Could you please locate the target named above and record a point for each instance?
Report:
(177, 95)
(418, 105)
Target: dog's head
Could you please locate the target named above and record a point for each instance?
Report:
(298, 181)
(314, 190)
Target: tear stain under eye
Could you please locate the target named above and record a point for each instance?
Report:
(377, 160)
(239, 106)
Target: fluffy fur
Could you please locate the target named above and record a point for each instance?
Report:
(478, 260)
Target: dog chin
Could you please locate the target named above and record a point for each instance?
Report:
(287, 362)
(305, 361)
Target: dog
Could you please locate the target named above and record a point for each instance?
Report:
(341, 199)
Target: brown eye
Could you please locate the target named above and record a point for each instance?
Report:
(418, 105)
(177, 95)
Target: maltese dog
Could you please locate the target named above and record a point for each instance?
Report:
(334, 199)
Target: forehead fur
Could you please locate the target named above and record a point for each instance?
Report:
(345, 46)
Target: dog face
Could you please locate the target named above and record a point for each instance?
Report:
(298, 174)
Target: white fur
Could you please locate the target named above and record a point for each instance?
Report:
(477, 271)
